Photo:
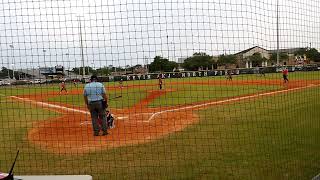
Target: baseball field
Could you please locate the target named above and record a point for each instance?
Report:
(252, 127)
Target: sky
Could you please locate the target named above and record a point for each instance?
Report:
(46, 33)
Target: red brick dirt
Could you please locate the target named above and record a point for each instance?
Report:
(71, 133)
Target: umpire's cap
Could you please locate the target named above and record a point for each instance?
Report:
(94, 78)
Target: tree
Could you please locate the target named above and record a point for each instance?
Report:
(257, 59)
(300, 52)
(4, 73)
(282, 57)
(198, 60)
(103, 71)
(162, 64)
(225, 60)
(313, 55)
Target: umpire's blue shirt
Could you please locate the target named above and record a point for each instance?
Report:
(94, 91)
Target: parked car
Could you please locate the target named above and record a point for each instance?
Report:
(310, 67)
(298, 67)
(36, 81)
(5, 83)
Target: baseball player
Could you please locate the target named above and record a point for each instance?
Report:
(110, 120)
(63, 87)
(229, 75)
(121, 83)
(160, 81)
(75, 83)
(285, 73)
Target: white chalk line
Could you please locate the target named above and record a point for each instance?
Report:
(48, 105)
(120, 118)
(228, 100)
(43, 104)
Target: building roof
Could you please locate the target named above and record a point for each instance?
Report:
(288, 50)
(32, 72)
(247, 50)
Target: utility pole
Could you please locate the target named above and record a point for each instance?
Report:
(12, 71)
(168, 46)
(11, 46)
(278, 53)
(81, 44)
(146, 63)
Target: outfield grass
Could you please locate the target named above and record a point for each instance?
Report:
(181, 95)
(187, 94)
(118, 99)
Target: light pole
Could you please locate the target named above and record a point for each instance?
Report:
(81, 45)
(92, 65)
(146, 63)
(67, 54)
(168, 46)
(44, 57)
(39, 72)
(8, 70)
(278, 56)
(12, 57)
(12, 71)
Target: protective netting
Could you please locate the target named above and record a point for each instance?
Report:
(195, 89)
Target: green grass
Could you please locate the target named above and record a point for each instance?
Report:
(187, 94)
(118, 98)
(182, 94)
(34, 89)
(270, 138)
(15, 120)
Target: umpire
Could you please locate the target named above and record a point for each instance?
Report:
(96, 99)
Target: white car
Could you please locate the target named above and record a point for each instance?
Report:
(36, 81)
(4, 83)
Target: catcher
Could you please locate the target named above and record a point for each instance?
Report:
(110, 120)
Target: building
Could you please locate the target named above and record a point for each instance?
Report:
(53, 72)
(33, 73)
(243, 60)
(293, 58)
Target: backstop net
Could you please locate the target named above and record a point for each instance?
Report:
(193, 89)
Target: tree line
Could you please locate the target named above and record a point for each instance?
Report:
(198, 60)
(201, 60)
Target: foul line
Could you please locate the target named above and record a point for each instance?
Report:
(227, 100)
(43, 104)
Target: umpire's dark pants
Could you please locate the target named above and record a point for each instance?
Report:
(97, 110)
